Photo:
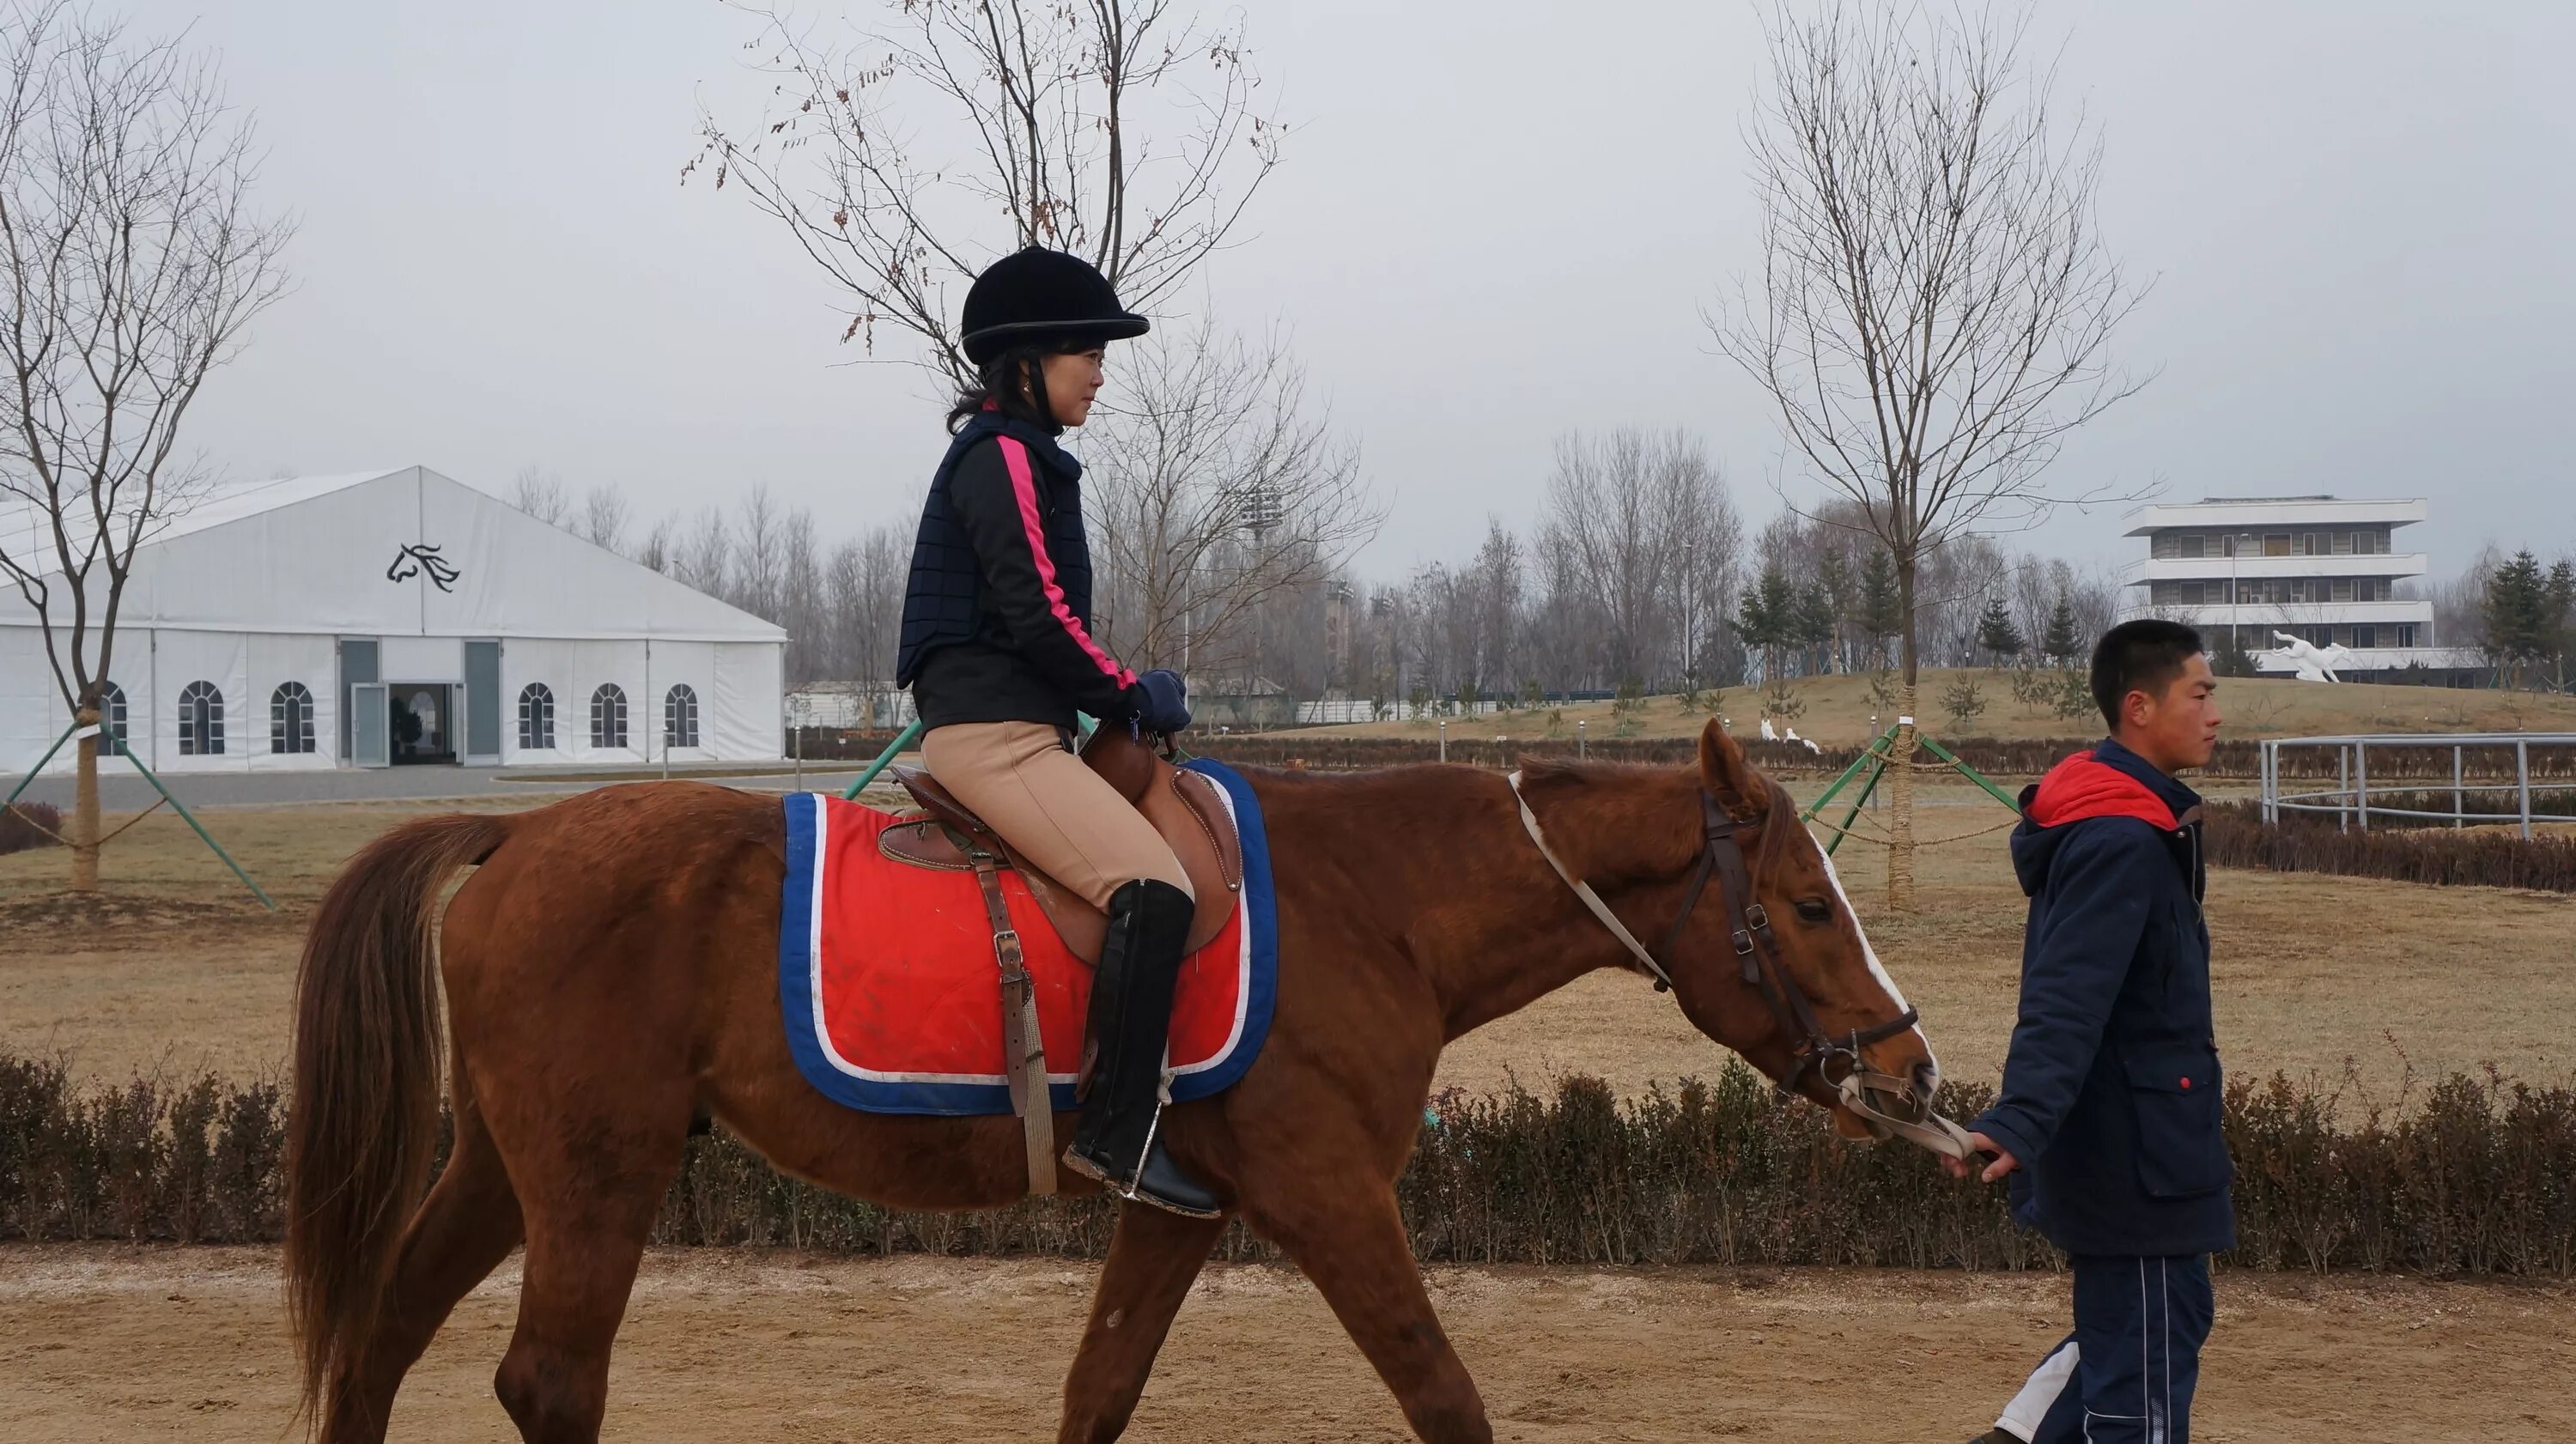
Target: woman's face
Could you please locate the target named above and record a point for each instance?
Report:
(1072, 379)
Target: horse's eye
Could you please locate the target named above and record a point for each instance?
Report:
(1815, 910)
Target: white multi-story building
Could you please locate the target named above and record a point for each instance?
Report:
(2322, 568)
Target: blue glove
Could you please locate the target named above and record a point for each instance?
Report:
(1165, 707)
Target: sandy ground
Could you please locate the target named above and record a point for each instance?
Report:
(1840, 710)
(180, 970)
(104, 1344)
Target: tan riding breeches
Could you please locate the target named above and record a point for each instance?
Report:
(1021, 778)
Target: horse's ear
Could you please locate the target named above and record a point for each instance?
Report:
(1727, 774)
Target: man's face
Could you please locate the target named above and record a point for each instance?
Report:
(2179, 728)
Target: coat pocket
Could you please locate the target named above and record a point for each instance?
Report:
(2182, 1139)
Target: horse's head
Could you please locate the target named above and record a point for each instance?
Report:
(1810, 975)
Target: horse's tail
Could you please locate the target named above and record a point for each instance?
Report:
(364, 1122)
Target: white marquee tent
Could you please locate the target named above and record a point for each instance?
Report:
(399, 616)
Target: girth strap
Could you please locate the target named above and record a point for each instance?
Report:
(1024, 1061)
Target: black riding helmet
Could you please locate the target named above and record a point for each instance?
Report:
(1038, 293)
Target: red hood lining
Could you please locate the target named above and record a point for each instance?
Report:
(2082, 787)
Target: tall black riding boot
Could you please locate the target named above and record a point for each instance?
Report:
(1131, 1020)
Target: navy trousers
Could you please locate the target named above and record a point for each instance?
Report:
(2125, 1376)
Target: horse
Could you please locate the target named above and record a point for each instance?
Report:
(609, 978)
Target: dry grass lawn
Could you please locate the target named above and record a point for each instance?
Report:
(177, 969)
(1838, 711)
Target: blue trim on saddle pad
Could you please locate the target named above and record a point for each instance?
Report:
(983, 1098)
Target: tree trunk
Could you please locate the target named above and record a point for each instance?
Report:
(85, 808)
(1900, 792)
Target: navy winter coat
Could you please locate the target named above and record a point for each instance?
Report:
(2111, 1091)
(997, 612)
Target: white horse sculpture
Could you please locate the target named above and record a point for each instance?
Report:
(2312, 662)
(1768, 735)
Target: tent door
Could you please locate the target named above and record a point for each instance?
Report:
(370, 725)
(483, 702)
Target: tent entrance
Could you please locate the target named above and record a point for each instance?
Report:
(422, 722)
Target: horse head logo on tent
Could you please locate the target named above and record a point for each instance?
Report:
(413, 560)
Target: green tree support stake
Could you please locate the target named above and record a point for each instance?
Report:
(1970, 773)
(30, 778)
(181, 808)
(909, 735)
(1874, 751)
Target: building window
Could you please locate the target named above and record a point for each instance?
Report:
(290, 718)
(111, 711)
(2342, 589)
(536, 718)
(680, 718)
(608, 716)
(2365, 635)
(201, 721)
(2405, 635)
(2188, 547)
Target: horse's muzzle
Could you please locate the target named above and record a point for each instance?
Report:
(1894, 1108)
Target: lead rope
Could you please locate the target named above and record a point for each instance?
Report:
(1583, 890)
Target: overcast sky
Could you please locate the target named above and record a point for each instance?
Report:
(1496, 221)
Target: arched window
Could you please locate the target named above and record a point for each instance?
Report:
(290, 718)
(111, 710)
(201, 721)
(680, 717)
(608, 716)
(536, 717)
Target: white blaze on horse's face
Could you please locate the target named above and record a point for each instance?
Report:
(1869, 955)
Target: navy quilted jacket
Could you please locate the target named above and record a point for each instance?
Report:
(997, 612)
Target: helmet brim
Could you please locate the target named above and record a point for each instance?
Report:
(983, 345)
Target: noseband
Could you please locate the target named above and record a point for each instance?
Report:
(1757, 950)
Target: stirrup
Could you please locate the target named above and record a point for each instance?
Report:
(1158, 1180)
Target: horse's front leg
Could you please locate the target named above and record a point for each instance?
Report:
(1345, 1234)
(1153, 1258)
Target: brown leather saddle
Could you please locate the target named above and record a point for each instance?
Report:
(1183, 806)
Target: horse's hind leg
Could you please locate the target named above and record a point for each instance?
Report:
(466, 1226)
(1153, 1257)
(1348, 1239)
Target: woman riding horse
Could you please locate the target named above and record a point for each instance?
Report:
(998, 651)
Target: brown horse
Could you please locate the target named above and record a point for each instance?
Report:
(610, 976)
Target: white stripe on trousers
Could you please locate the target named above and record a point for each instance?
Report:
(2056, 1373)
(2029, 1409)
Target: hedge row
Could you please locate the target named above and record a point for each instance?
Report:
(2482, 856)
(1473, 743)
(2480, 1179)
(25, 825)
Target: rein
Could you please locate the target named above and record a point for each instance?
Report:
(1757, 952)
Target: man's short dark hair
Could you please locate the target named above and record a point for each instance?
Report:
(2140, 656)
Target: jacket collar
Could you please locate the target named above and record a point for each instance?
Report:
(2168, 788)
(1040, 441)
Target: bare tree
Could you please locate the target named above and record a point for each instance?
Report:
(134, 263)
(702, 557)
(541, 494)
(1935, 303)
(1218, 488)
(863, 597)
(1121, 130)
(661, 547)
(1627, 513)
(603, 517)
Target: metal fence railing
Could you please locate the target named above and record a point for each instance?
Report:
(2503, 766)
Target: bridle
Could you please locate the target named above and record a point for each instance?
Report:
(1757, 954)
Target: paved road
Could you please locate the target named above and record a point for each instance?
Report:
(120, 790)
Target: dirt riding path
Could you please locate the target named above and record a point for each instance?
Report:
(101, 1344)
